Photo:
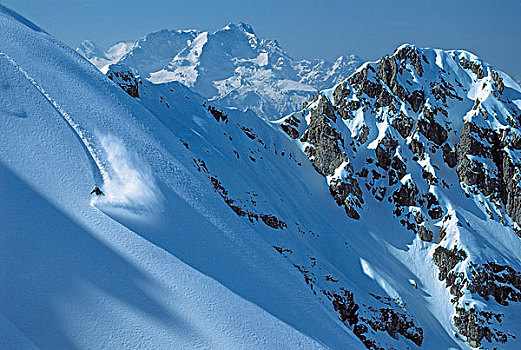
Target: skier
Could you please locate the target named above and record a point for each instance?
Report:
(97, 191)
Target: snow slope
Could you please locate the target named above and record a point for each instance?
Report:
(373, 271)
(232, 66)
(159, 262)
(268, 182)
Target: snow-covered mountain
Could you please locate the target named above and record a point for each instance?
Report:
(232, 66)
(99, 58)
(419, 150)
(160, 261)
(426, 143)
(384, 214)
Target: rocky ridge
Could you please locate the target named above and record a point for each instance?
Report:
(417, 132)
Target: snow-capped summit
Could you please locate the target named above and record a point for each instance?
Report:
(232, 66)
(98, 57)
(89, 49)
(155, 50)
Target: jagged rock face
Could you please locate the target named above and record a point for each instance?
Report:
(471, 172)
(447, 259)
(414, 131)
(347, 194)
(428, 127)
(290, 127)
(470, 324)
(403, 124)
(413, 56)
(126, 79)
(500, 282)
(490, 166)
(449, 156)
(324, 151)
(510, 192)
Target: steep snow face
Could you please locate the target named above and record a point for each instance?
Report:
(422, 146)
(268, 183)
(160, 261)
(232, 66)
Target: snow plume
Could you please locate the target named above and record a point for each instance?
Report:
(129, 183)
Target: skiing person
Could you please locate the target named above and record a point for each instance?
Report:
(97, 191)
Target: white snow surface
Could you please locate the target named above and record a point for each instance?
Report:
(160, 262)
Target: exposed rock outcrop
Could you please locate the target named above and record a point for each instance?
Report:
(325, 141)
(430, 128)
(126, 80)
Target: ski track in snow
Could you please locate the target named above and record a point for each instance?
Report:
(66, 117)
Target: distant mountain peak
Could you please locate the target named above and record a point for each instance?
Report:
(89, 49)
(241, 26)
(231, 65)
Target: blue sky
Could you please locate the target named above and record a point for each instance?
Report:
(304, 28)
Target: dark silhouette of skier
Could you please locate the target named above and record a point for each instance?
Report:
(97, 191)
